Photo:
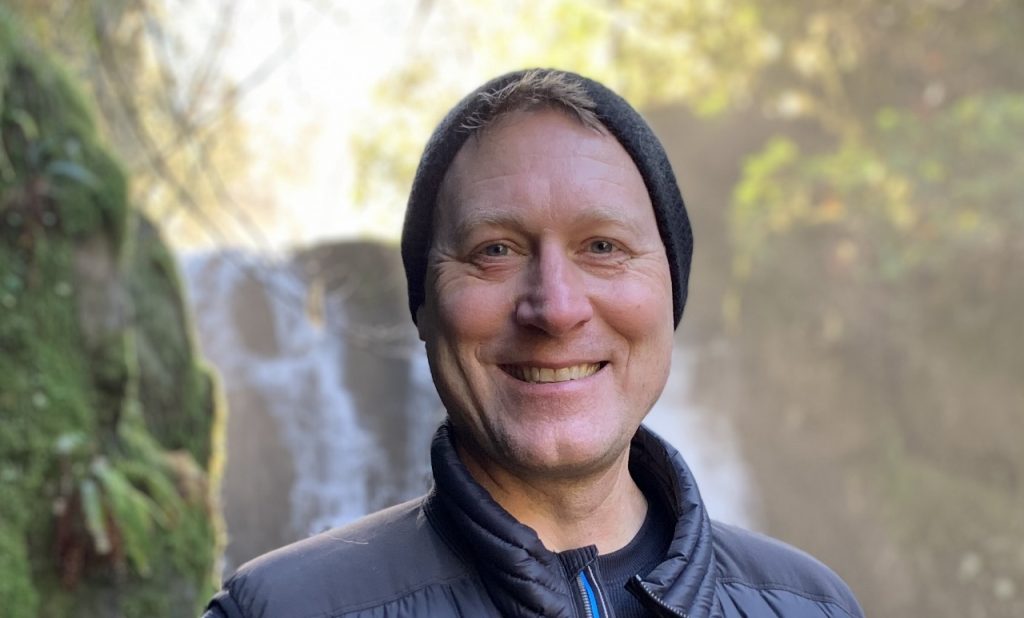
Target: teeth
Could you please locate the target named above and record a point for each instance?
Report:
(544, 375)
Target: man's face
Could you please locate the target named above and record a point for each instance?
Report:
(548, 315)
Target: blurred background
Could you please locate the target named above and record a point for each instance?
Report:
(206, 351)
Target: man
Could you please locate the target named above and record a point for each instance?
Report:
(547, 251)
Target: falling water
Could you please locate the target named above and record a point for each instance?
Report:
(308, 400)
(707, 442)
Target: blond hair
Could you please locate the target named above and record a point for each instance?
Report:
(535, 89)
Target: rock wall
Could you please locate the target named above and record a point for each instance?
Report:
(108, 421)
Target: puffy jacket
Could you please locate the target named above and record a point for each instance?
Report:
(456, 552)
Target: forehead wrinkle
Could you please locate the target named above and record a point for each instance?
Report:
(583, 153)
(494, 217)
(606, 214)
(541, 188)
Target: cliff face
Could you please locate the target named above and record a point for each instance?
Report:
(108, 457)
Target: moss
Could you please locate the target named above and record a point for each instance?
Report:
(175, 388)
(20, 596)
(120, 406)
(49, 139)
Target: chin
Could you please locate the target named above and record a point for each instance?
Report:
(565, 456)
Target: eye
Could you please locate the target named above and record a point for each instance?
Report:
(602, 246)
(495, 250)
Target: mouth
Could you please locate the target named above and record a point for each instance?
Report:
(547, 375)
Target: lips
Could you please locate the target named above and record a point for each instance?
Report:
(547, 375)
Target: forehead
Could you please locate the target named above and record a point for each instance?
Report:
(544, 160)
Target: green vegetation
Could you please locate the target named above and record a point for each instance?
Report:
(107, 456)
(891, 265)
(854, 174)
(171, 123)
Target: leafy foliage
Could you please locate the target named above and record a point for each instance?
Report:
(874, 278)
(172, 123)
(913, 195)
(85, 485)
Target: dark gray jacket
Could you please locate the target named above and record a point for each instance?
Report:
(456, 552)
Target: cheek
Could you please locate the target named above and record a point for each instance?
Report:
(641, 314)
(471, 313)
(639, 310)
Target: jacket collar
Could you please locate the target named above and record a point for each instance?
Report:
(524, 578)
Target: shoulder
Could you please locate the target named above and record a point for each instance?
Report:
(752, 566)
(380, 558)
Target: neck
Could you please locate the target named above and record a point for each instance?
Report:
(606, 508)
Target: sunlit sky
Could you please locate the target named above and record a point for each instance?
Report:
(300, 120)
(304, 112)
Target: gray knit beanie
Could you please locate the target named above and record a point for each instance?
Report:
(621, 120)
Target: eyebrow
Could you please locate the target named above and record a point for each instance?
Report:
(506, 218)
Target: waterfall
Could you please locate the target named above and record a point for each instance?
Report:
(323, 429)
(709, 444)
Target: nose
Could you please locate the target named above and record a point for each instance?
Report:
(554, 299)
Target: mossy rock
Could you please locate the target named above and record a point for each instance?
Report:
(107, 417)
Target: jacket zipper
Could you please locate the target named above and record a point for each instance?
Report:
(590, 606)
(636, 582)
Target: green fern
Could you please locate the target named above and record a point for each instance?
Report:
(95, 522)
(132, 511)
(123, 500)
(154, 482)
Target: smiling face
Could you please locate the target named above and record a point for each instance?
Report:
(548, 314)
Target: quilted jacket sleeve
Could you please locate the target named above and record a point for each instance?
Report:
(222, 606)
